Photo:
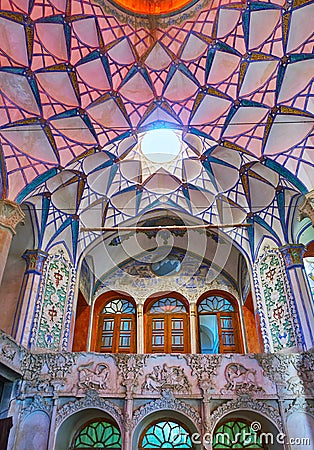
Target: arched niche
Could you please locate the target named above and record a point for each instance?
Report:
(69, 428)
(33, 432)
(300, 429)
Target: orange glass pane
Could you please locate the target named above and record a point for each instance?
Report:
(152, 6)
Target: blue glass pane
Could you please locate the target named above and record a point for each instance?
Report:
(166, 434)
(209, 334)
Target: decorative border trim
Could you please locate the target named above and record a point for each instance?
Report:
(38, 404)
(167, 402)
(91, 400)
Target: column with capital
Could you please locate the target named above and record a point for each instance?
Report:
(35, 260)
(293, 257)
(10, 215)
(140, 327)
(193, 327)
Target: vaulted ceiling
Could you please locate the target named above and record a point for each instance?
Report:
(81, 83)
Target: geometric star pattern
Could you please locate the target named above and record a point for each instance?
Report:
(79, 87)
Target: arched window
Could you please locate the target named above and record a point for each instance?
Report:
(165, 434)
(218, 326)
(236, 434)
(97, 434)
(116, 329)
(167, 327)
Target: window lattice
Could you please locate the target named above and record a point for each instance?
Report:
(215, 304)
(166, 435)
(119, 306)
(167, 305)
(98, 434)
(236, 434)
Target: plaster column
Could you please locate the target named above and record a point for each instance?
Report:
(140, 328)
(57, 386)
(128, 413)
(205, 385)
(293, 258)
(193, 327)
(10, 215)
(35, 260)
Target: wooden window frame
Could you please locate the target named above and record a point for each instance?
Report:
(238, 348)
(117, 318)
(167, 317)
(168, 346)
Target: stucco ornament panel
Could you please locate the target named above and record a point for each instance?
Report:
(293, 374)
(167, 372)
(47, 372)
(53, 311)
(130, 368)
(91, 400)
(11, 215)
(95, 371)
(10, 352)
(276, 308)
(299, 405)
(205, 368)
(38, 404)
(241, 376)
(245, 404)
(166, 402)
(166, 377)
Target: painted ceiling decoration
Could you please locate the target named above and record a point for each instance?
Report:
(152, 7)
(80, 86)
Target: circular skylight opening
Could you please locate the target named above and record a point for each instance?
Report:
(160, 146)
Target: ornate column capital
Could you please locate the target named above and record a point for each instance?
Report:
(307, 207)
(292, 254)
(10, 215)
(35, 260)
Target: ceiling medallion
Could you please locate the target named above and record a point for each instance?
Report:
(153, 13)
(154, 7)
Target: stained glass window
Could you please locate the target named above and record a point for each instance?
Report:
(119, 306)
(168, 305)
(236, 434)
(98, 434)
(166, 434)
(215, 303)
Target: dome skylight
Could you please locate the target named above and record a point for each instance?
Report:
(160, 145)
